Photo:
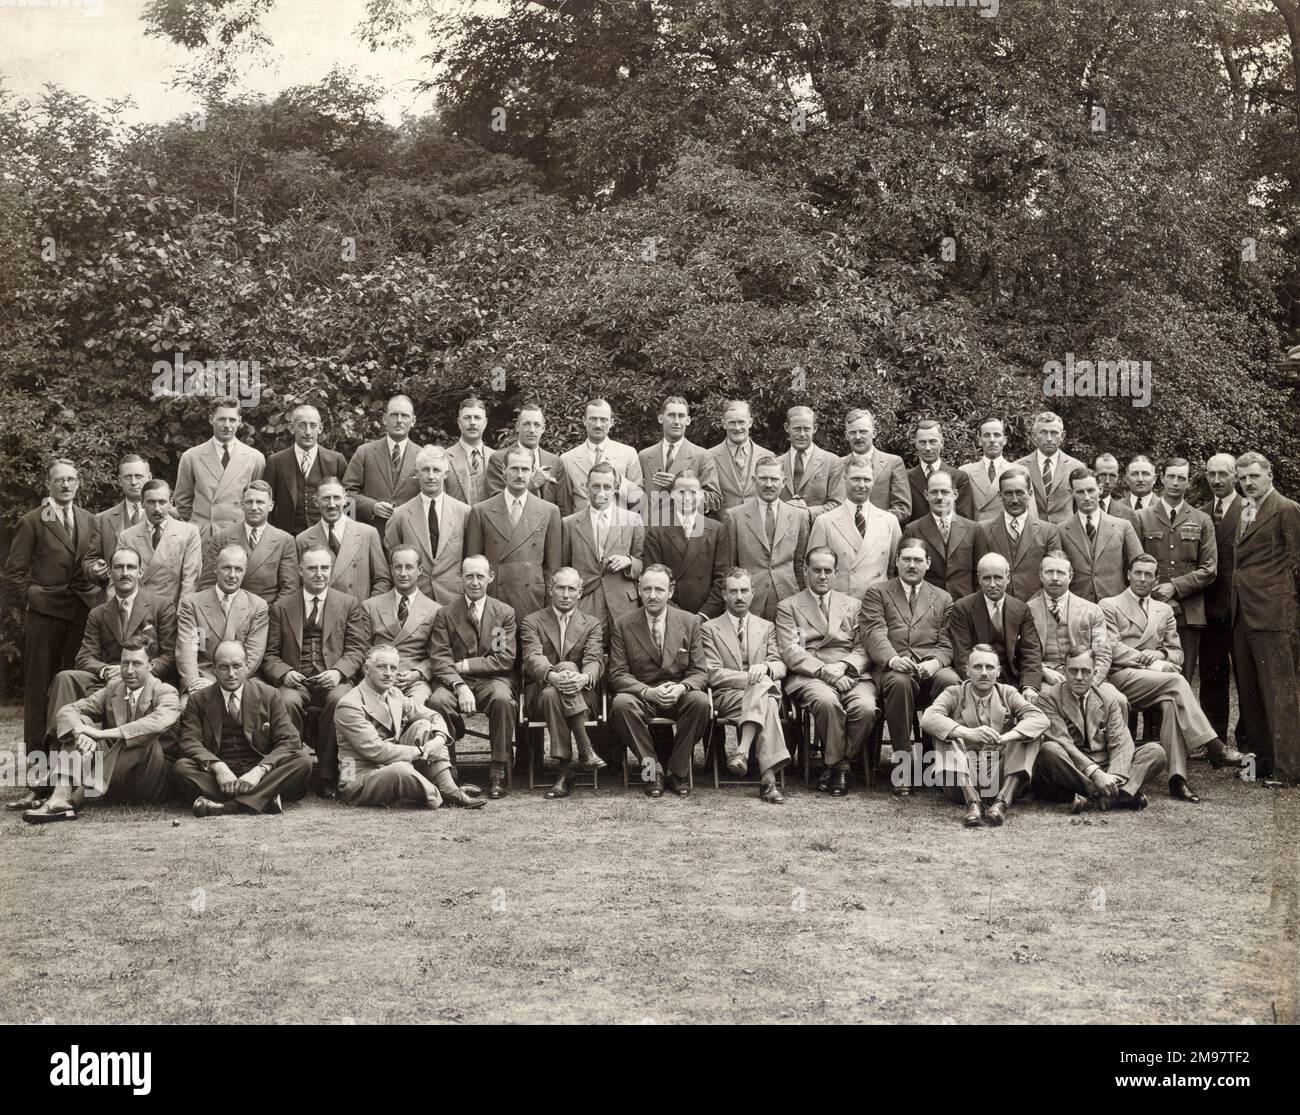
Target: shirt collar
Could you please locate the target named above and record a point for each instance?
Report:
(396, 444)
(435, 500)
(129, 600)
(1083, 516)
(561, 619)
(300, 452)
(474, 605)
(1171, 512)
(1227, 500)
(1054, 458)
(232, 444)
(521, 500)
(307, 598)
(1018, 520)
(470, 450)
(337, 527)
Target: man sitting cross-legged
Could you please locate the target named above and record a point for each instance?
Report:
(982, 717)
(117, 726)
(240, 752)
(392, 748)
(563, 652)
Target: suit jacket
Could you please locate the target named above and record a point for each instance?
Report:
(1100, 569)
(634, 663)
(267, 725)
(952, 567)
(343, 636)
(1188, 553)
(1020, 649)
(1266, 579)
(282, 474)
(369, 478)
(1218, 596)
(496, 473)
(172, 572)
(957, 707)
(101, 645)
(890, 489)
(1132, 630)
(369, 725)
(1120, 508)
(727, 667)
(1055, 505)
(1085, 625)
(411, 638)
(201, 625)
(776, 571)
(571, 493)
(110, 524)
(986, 497)
(807, 641)
(209, 496)
(735, 487)
(45, 569)
(689, 457)
(1036, 540)
(522, 556)
(699, 563)
(821, 484)
(1092, 731)
(965, 501)
(861, 559)
(457, 484)
(157, 708)
(272, 571)
(887, 627)
(584, 646)
(605, 595)
(490, 653)
(440, 572)
(360, 568)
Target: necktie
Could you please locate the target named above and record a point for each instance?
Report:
(475, 463)
(334, 539)
(993, 473)
(474, 621)
(403, 609)
(225, 457)
(740, 641)
(515, 512)
(135, 514)
(1092, 530)
(132, 695)
(68, 522)
(124, 614)
(396, 464)
(860, 521)
(1143, 602)
(1247, 515)
(224, 597)
(668, 458)
(157, 535)
(928, 469)
(944, 528)
(1218, 510)
(1047, 474)
(1055, 606)
(770, 524)
(314, 619)
(740, 456)
(982, 710)
(798, 470)
(302, 463)
(564, 627)
(911, 600)
(253, 536)
(232, 704)
(1137, 502)
(600, 456)
(602, 533)
(825, 605)
(1014, 531)
(657, 633)
(433, 526)
(998, 632)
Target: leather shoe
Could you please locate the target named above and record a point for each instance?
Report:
(1081, 804)
(590, 760)
(1224, 756)
(678, 786)
(770, 792)
(840, 786)
(469, 789)
(996, 814)
(563, 785)
(655, 789)
(29, 800)
(496, 786)
(206, 807)
(326, 791)
(462, 800)
(1136, 802)
(1179, 790)
(974, 816)
(45, 813)
(737, 763)
(455, 724)
(824, 780)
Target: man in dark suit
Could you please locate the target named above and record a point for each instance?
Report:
(1049, 468)
(1017, 534)
(315, 645)
(272, 571)
(46, 573)
(434, 523)
(657, 669)
(929, 453)
(811, 475)
(890, 490)
(544, 475)
(1224, 510)
(991, 616)
(604, 543)
(1106, 466)
(381, 475)
(296, 472)
(1099, 546)
(951, 538)
(694, 548)
(564, 657)
(474, 645)
(519, 533)
(240, 751)
(1141, 479)
(1266, 620)
(768, 537)
(132, 475)
(661, 464)
(469, 458)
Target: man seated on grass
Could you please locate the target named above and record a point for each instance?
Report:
(392, 748)
(983, 723)
(240, 752)
(117, 726)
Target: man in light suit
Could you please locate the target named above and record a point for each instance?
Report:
(381, 475)
(296, 472)
(519, 533)
(314, 648)
(986, 502)
(656, 668)
(1098, 545)
(1182, 541)
(563, 652)
(1266, 620)
(1216, 664)
(171, 550)
(240, 751)
(1106, 466)
(544, 479)
(1049, 468)
(1087, 753)
(929, 454)
(434, 523)
(359, 567)
(693, 547)
(1017, 534)
(575, 463)
(903, 626)
(468, 460)
(890, 489)
(132, 474)
(863, 538)
(1141, 479)
(745, 672)
(604, 544)
(768, 537)
(110, 740)
(474, 646)
(1064, 620)
(212, 477)
(403, 620)
(950, 538)
(661, 464)
(995, 619)
(224, 613)
(1146, 666)
(986, 735)
(735, 457)
(826, 669)
(272, 570)
(813, 478)
(391, 747)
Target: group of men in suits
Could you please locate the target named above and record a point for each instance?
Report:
(408, 587)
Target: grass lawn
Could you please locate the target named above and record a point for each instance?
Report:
(609, 907)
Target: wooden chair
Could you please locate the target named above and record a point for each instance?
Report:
(532, 733)
(718, 728)
(660, 722)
